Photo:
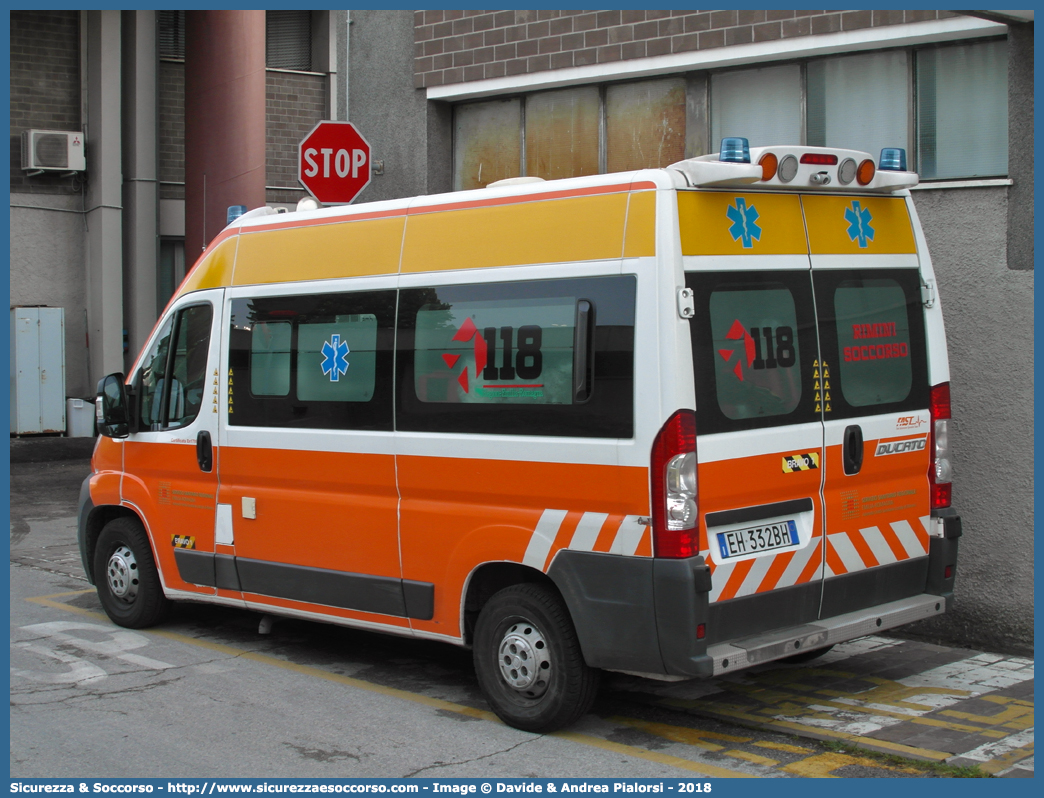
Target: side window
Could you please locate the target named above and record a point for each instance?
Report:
(873, 328)
(152, 379)
(754, 350)
(188, 368)
(321, 361)
(541, 357)
(173, 378)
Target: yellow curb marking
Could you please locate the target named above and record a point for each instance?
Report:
(1006, 715)
(790, 749)
(866, 742)
(1007, 760)
(823, 765)
(435, 703)
(681, 734)
(755, 758)
(653, 756)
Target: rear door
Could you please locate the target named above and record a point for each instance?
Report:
(760, 434)
(875, 400)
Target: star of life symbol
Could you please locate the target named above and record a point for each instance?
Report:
(859, 228)
(744, 223)
(335, 357)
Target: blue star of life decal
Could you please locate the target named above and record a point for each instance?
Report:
(744, 223)
(335, 357)
(859, 228)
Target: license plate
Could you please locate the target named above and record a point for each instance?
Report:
(766, 537)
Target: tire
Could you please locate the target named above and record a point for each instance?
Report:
(125, 573)
(806, 656)
(519, 626)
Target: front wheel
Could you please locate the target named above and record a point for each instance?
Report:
(528, 660)
(125, 573)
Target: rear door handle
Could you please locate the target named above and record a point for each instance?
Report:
(204, 451)
(852, 449)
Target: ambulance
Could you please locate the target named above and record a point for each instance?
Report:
(671, 423)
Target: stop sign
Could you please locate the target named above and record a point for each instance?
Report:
(333, 162)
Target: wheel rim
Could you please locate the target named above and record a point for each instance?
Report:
(122, 574)
(524, 659)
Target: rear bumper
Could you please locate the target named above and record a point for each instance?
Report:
(753, 650)
(641, 615)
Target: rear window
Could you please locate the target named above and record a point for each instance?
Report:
(756, 370)
(873, 340)
(873, 336)
(754, 350)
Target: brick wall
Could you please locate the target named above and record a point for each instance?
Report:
(172, 130)
(459, 46)
(294, 103)
(45, 88)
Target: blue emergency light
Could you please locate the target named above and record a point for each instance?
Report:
(234, 212)
(893, 159)
(734, 149)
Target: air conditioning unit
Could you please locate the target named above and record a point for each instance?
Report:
(54, 151)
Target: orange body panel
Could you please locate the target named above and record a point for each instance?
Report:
(457, 514)
(317, 509)
(750, 481)
(164, 482)
(106, 471)
(865, 508)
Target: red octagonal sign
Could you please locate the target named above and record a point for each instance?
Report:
(333, 162)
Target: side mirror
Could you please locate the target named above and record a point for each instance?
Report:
(111, 407)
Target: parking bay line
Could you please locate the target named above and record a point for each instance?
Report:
(435, 703)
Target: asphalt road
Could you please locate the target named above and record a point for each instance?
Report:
(206, 695)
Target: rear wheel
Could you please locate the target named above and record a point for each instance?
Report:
(125, 573)
(529, 662)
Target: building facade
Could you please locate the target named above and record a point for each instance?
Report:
(453, 100)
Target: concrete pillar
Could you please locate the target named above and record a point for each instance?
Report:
(224, 120)
(104, 217)
(140, 176)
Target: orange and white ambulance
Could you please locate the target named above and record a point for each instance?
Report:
(670, 423)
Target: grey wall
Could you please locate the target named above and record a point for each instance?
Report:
(988, 311)
(1020, 146)
(403, 128)
(48, 268)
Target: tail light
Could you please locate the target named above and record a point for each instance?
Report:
(865, 172)
(940, 475)
(768, 163)
(674, 513)
(819, 158)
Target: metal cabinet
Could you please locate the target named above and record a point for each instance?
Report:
(37, 370)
